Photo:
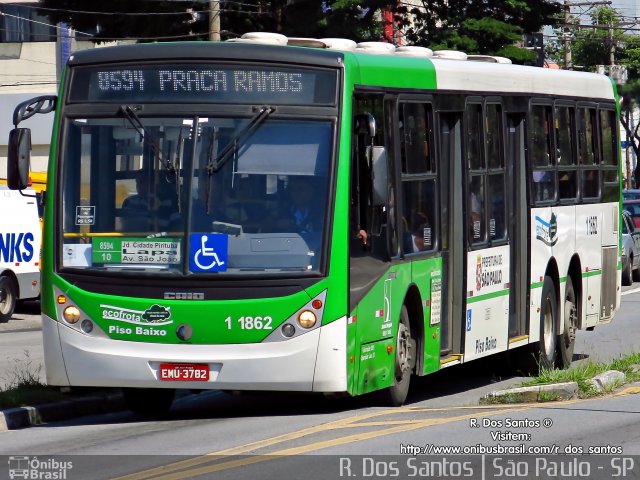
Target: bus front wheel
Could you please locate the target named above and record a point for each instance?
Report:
(404, 363)
(8, 298)
(149, 402)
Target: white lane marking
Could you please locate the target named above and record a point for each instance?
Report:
(634, 290)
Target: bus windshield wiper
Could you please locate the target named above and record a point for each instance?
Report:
(238, 139)
(129, 112)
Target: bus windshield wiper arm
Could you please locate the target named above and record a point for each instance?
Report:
(236, 141)
(129, 112)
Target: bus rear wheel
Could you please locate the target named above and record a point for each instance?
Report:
(8, 298)
(149, 402)
(546, 349)
(405, 361)
(567, 337)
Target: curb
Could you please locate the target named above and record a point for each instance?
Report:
(551, 392)
(537, 393)
(23, 417)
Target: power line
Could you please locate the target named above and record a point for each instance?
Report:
(4, 14)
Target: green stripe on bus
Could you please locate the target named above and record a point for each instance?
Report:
(487, 296)
(536, 285)
(592, 273)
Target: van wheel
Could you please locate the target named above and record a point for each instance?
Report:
(567, 337)
(8, 298)
(149, 402)
(405, 361)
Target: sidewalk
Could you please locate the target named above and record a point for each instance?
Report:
(21, 353)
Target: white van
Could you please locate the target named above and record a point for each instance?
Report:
(20, 238)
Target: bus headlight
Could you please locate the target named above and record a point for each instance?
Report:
(307, 319)
(71, 314)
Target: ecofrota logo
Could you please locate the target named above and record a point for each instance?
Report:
(16, 247)
(547, 232)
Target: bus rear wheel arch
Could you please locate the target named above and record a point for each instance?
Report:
(8, 297)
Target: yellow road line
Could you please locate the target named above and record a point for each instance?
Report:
(628, 391)
(266, 442)
(184, 469)
(349, 422)
(358, 437)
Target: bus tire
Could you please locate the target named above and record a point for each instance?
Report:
(567, 337)
(404, 363)
(149, 402)
(8, 298)
(546, 347)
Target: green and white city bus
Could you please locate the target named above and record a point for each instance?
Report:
(323, 218)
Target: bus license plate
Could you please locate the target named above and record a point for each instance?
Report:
(184, 372)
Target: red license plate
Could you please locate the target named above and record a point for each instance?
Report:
(184, 372)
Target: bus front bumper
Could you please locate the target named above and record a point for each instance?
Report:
(315, 361)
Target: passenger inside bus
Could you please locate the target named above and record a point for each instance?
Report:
(300, 214)
(202, 215)
(147, 211)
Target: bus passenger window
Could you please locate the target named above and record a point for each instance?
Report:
(497, 224)
(586, 138)
(540, 135)
(544, 185)
(567, 184)
(477, 225)
(419, 215)
(590, 183)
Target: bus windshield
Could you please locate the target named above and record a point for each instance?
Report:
(193, 195)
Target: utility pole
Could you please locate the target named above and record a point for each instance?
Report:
(629, 170)
(612, 47)
(214, 20)
(567, 36)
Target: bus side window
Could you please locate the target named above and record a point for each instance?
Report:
(419, 203)
(588, 155)
(542, 157)
(477, 225)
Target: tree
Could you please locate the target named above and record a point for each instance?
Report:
(171, 20)
(122, 19)
(593, 46)
(482, 27)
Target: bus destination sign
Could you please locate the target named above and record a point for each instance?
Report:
(204, 83)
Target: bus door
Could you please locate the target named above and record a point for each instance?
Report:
(488, 252)
(518, 228)
(452, 236)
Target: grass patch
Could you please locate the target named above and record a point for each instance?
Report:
(582, 373)
(23, 385)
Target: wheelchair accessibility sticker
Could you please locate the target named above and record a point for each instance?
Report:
(208, 252)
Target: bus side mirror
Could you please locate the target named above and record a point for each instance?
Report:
(366, 124)
(18, 158)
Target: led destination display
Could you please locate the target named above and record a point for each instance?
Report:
(204, 83)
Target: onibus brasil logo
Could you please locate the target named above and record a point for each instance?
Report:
(547, 232)
(34, 468)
